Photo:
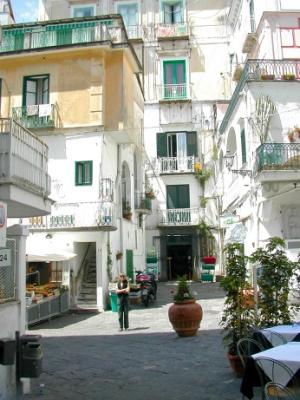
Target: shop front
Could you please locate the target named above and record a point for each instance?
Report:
(47, 284)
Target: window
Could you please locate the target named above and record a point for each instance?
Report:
(87, 10)
(243, 145)
(172, 11)
(174, 76)
(56, 272)
(129, 12)
(176, 144)
(36, 90)
(83, 173)
(178, 196)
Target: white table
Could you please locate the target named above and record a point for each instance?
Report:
(289, 332)
(288, 354)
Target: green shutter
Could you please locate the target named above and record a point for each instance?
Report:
(191, 139)
(178, 196)
(83, 173)
(243, 145)
(161, 144)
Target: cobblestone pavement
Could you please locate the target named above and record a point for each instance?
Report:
(85, 357)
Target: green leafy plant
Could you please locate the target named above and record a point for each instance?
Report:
(203, 175)
(275, 274)
(238, 315)
(203, 201)
(183, 290)
(204, 229)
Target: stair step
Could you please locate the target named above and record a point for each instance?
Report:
(88, 290)
(87, 296)
(87, 303)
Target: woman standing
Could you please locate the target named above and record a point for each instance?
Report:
(123, 289)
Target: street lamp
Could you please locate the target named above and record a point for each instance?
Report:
(228, 157)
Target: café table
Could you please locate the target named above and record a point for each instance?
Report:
(288, 353)
(288, 332)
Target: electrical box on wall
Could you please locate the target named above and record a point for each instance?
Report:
(7, 351)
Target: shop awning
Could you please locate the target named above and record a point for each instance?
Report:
(48, 254)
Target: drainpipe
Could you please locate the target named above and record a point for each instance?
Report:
(118, 179)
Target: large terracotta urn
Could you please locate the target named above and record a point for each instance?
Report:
(185, 317)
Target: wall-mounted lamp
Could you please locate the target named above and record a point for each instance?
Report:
(48, 236)
(228, 159)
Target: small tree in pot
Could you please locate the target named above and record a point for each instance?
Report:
(238, 316)
(273, 281)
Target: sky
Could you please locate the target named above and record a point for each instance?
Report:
(25, 10)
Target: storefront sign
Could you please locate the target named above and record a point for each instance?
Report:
(228, 219)
(5, 257)
(235, 233)
(3, 219)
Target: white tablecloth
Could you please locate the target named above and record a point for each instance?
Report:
(289, 332)
(289, 354)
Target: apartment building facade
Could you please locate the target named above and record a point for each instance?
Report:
(258, 170)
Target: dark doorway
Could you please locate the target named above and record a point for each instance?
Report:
(179, 261)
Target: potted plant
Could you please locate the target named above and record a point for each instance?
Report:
(291, 135)
(185, 314)
(267, 77)
(275, 275)
(238, 316)
(288, 77)
(150, 193)
(119, 255)
(202, 175)
(127, 211)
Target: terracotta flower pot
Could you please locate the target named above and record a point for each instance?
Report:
(185, 317)
(236, 365)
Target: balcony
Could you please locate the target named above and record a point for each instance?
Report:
(24, 182)
(277, 162)
(283, 71)
(174, 165)
(143, 204)
(76, 216)
(62, 33)
(172, 31)
(180, 92)
(36, 116)
(180, 217)
(135, 32)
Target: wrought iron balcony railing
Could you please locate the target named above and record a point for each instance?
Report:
(76, 215)
(36, 116)
(174, 92)
(172, 30)
(170, 165)
(135, 32)
(262, 70)
(277, 156)
(143, 203)
(57, 33)
(23, 158)
(180, 216)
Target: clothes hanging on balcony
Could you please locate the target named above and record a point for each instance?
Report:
(44, 110)
(32, 110)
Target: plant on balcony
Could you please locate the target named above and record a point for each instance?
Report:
(267, 77)
(293, 134)
(288, 77)
(150, 194)
(264, 110)
(203, 201)
(127, 214)
(202, 175)
(119, 255)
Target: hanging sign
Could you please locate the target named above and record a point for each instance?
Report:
(228, 219)
(3, 221)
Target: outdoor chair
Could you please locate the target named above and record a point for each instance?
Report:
(246, 347)
(276, 391)
(276, 371)
(276, 339)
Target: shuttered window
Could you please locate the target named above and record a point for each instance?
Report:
(243, 145)
(168, 144)
(83, 173)
(178, 196)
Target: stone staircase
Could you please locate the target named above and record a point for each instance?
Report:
(87, 297)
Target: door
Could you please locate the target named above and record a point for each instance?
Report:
(179, 258)
(174, 79)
